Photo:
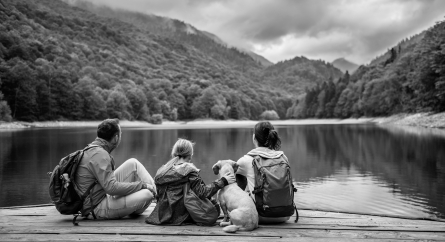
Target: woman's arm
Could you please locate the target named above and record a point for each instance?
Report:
(203, 190)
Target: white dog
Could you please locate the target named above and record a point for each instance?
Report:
(235, 203)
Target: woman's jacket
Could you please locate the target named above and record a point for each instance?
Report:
(170, 180)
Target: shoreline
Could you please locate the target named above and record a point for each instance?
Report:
(424, 120)
(194, 124)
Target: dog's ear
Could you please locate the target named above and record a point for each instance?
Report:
(216, 168)
(235, 167)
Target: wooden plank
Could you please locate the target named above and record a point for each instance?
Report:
(305, 223)
(79, 237)
(240, 236)
(24, 223)
(38, 217)
(192, 230)
(50, 210)
(307, 216)
(140, 223)
(29, 206)
(118, 237)
(65, 221)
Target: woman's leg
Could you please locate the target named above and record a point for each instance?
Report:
(113, 207)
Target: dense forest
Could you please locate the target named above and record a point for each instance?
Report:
(409, 78)
(61, 61)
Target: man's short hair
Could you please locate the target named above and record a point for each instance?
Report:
(108, 129)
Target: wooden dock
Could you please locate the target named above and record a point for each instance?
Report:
(44, 223)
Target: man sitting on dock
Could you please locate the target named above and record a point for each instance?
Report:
(128, 190)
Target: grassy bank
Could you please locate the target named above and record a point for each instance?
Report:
(204, 123)
(425, 120)
(415, 120)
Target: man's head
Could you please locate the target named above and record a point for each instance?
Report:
(110, 131)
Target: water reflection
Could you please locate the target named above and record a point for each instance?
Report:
(353, 168)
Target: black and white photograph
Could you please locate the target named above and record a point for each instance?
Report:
(222, 120)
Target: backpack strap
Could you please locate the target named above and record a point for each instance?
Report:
(88, 191)
(89, 147)
(256, 164)
(85, 195)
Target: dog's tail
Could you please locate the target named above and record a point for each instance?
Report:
(231, 228)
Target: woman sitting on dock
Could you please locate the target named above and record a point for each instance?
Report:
(170, 180)
(267, 144)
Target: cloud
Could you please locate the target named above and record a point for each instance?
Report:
(318, 29)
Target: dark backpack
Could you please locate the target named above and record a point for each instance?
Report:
(61, 186)
(273, 191)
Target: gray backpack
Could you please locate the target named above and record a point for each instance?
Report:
(273, 191)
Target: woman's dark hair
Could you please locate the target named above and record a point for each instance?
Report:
(108, 129)
(267, 136)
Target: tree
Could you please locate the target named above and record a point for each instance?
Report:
(93, 106)
(202, 106)
(218, 111)
(233, 112)
(156, 119)
(5, 111)
(19, 89)
(138, 102)
(174, 114)
(118, 105)
(269, 115)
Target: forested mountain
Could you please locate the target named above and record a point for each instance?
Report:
(298, 74)
(345, 65)
(181, 32)
(410, 77)
(259, 58)
(61, 62)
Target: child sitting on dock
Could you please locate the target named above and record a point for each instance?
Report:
(128, 190)
(170, 180)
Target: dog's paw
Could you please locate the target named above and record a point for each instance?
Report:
(224, 224)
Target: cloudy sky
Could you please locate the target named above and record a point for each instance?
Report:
(358, 30)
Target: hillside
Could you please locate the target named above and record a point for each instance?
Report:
(59, 62)
(298, 74)
(64, 62)
(258, 58)
(408, 78)
(345, 65)
(184, 33)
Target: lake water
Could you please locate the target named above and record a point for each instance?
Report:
(361, 168)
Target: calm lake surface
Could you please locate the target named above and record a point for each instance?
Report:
(360, 168)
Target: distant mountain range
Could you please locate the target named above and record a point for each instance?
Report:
(408, 78)
(345, 65)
